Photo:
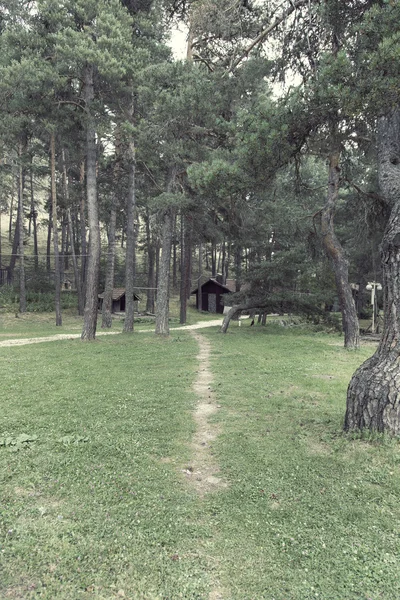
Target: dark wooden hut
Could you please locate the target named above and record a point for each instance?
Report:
(211, 295)
(118, 300)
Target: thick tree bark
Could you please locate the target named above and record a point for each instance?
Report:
(130, 241)
(232, 312)
(162, 305)
(373, 396)
(57, 274)
(337, 257)
(93, 263)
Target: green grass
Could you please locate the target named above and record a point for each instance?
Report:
(32, 324)
(310, 512)
(96, 504)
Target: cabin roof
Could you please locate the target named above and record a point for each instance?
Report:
(118, 293)
(229, 287)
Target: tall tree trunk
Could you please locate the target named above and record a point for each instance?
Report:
(75, 265)
(22, 278)
(14, 251)
(199, 293)
(157, 251)
(33, 215)
(373, 396)
(185, 266)
(130, 241)
(64, 247)
(71, 234)
(110, 269)
(222, 260)
(151, 280)
(238, 267)
(162, 306)
(93, 263)
(174, 258)
(213, 259)
(82, 220)
(337, 257)
(225, 264)
(10, 223)
(57, 274)
(48, 242)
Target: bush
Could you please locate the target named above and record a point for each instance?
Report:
(36, 301)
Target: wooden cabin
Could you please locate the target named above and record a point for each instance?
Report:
(118, 300)
(211, 295)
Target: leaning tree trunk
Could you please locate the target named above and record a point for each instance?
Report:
(162, 304)
(338, 259)
(373, 396)
(57, 265)
(130, 241)
(93, 263)
(232, 312)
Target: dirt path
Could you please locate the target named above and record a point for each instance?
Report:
(203, 470)
(72, 336)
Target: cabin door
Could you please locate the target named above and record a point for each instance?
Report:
(212, 303)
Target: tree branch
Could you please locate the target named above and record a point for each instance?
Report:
(265, 32)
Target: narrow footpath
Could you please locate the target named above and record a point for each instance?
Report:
(204, 470)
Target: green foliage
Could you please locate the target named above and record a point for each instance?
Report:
(37, 301)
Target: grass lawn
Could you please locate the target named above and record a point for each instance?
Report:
(93, 503)
(31, 324)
